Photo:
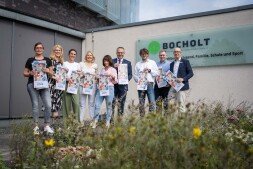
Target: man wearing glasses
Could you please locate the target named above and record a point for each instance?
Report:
(120, 90)
(183, 71)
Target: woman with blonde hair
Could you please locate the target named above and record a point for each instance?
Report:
(88, 67)
(57, 58)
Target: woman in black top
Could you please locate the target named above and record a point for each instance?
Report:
(34, 72)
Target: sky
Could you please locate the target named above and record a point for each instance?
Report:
(156, 9)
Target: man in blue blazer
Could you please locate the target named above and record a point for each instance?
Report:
(183, 71)
(120, 90)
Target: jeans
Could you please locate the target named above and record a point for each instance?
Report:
(46, 100)
(99, 101)
(91, 103)
(151, 98)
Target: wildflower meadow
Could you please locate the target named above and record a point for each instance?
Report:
(206, 136)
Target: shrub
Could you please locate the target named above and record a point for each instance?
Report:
(203, 137)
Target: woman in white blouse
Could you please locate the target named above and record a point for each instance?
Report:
(88, 67)
(71, 101)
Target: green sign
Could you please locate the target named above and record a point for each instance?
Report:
(226, 46)
(154, 47)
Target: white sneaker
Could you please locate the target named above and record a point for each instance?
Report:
(94, 125)
(36, 130)
(48, 130)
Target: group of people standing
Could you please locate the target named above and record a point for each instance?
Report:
(180, 67)
(55, 100)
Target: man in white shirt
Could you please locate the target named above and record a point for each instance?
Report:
(150, 69)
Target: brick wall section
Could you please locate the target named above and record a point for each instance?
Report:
(63, 12)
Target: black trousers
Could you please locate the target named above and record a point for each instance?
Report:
(120, 93)
(162, 93)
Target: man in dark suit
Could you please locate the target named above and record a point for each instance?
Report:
(120, 90)
(183, 71)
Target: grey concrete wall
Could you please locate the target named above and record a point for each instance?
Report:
(16, 46)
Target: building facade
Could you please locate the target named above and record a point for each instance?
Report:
(62, 12)
(225, 35)
(25, 22)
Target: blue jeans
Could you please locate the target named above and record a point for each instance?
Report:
(151, 98)
(99, 101)
(46, 100)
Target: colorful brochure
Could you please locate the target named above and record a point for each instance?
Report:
(171, 79)
(161, 80)
(142, 82)
(122, 74)
(40, 77)
(60, 75)
(88, 83)
(103, 85)
(74, 82)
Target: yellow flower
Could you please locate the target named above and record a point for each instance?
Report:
(36, 133)
(49, 142)
(196, 132)
(131, 129)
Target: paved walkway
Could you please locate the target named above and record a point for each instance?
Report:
(4, 141)
(4, 149)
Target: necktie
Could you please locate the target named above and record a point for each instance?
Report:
(119, 61)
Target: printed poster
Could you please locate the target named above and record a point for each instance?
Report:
(74, 82)
(60, 75)
(142, 82)
(171, 79)
(88, 83)
(40, 77)
(103, 85)
(161, 80)
(122, 74)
